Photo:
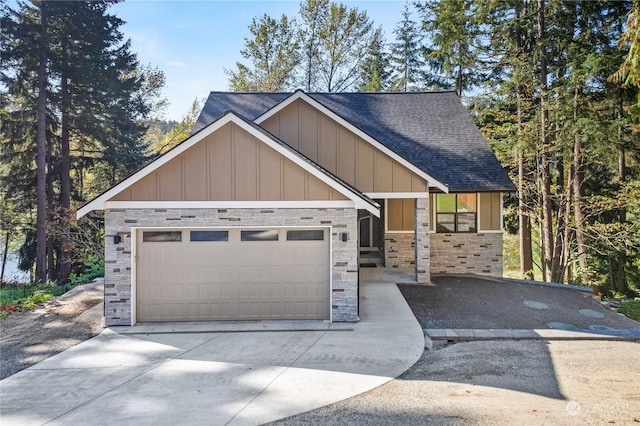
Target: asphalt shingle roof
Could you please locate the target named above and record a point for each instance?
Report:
(431, 130)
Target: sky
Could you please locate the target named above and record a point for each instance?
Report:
(193, 42)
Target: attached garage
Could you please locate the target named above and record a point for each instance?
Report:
(232, 224)
(198, 274)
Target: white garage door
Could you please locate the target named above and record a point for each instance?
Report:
(232, 274)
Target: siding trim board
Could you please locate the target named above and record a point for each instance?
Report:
(387, 195)
(312, 204)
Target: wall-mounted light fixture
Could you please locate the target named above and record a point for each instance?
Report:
(117, 239)
(344, 237)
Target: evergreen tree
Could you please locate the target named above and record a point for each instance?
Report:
(455, 40)
(375, 74)
(78, 97)
(407, 57)
(569, 133)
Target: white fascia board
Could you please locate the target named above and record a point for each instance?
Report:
(319, 204)
(98, 203)
(387, 195)
(431, 181)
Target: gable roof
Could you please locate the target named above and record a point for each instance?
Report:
(430, 130)
(360, 200)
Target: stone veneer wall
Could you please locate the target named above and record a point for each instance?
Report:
(399, 250)
(423, 246)
(117, 286)
(479, 253)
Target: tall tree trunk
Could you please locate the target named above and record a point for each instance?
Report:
(65, 182)
(621, 278)
(526, 251)
(545, 172)
(5, 253)
(566, 250)
(52, 266)
(557, 266)
(41, 163)
(578, 193)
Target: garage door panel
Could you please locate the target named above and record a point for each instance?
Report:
(186, 281)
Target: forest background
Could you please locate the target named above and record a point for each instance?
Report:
(553, 86)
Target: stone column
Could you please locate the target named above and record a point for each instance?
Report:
(423, 268)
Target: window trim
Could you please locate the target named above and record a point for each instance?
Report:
(456, 213)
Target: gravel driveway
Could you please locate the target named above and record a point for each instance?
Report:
(476, 303)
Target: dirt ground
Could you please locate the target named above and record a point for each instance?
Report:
(29, 337)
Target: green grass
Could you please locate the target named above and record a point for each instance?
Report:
(511, 258)
(631, 309)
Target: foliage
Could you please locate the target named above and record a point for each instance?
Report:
(375, 74)
(407, 55)
(631, 309)
(344, 39)
(178, 131)
(94, 269)
(274, 54)
(454, 52)
(74, 98)
(629, 72)
(330, 47)
(565, 136)
(22, 297)
(36, 298)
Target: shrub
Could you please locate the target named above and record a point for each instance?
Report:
(36, 298)
(94, 268)
(631, 309)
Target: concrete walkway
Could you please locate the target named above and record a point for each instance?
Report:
(220, 373)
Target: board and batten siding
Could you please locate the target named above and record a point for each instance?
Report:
(229, 165)
(340, 151)
(490, 206)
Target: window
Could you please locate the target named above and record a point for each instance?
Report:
(209, 236)
(161, 236)
(306, 235)
(266, 235)
(456, 212)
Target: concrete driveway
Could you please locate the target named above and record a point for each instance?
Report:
(220, 373)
